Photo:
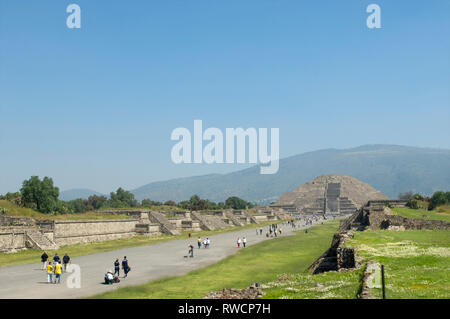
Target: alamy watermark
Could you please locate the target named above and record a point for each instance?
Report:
(374, 19)
(235, 146)
(74, 279)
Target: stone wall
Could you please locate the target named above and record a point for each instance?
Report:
(12, 239)
(385, 220)
(337, 257)
(82, 231)
(16, 221)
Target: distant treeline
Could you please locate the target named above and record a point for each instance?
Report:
(42, 195)
(439, 198)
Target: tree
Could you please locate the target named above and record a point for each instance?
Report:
(412, 203)
(122, 198)
(236, 203)
(41, 195)
(170, 203)
(439, 198)
(95, 202)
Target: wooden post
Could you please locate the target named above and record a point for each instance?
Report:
(382, 282)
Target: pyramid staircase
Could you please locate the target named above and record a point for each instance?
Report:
(234, 220)
(166, 226)
(205, 224)
(37, 240)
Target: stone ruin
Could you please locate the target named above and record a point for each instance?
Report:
(18, 233)
(329, 195)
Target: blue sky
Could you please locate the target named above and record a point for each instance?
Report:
(94, 107)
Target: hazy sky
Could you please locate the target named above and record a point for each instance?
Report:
(94, 107)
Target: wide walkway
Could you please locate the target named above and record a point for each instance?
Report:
(147, 262)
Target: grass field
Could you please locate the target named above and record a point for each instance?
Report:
(329, 285)
(440, 213)
(416, 262)
(263, 262)
(32, 255)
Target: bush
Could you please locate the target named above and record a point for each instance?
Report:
(439, 198)
(3, 211)
(412, 203)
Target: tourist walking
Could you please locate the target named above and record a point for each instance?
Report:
(56, 259)
(244, 241)
(260, 231)
(208, 242)
(44, 258)
(199, 243)
(66, 261)
(125, 266)
(117, 267)
(191, 251)
(49, 272)
(58, 273)
(239, 242)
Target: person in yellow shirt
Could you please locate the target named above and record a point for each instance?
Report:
(49, 272)
(58, 272)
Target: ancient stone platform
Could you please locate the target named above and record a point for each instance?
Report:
(329, 194)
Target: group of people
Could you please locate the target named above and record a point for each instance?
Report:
(274, 231)
(292, 224)
(205, 242)
(55, 267)
(111, 277)
(242, 241)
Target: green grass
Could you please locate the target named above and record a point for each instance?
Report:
(329, 285)
(263, 262)
(440, 213)
(33, 255)
(416, 262)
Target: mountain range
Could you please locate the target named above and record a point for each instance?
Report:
(391, 169)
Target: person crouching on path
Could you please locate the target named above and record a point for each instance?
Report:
(239, 242)
(125, 266)
(44, 259)
(49, 272)
(109, 278)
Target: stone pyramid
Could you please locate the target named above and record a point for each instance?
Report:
(334, 194)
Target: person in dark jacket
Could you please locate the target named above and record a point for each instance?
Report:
(117, 267)
(66, 261)
(56, 258)
(125, 266)
(44, 258)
